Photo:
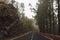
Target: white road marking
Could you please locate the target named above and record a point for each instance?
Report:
(32, 36)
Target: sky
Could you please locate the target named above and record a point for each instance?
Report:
(27, 11)
(54, 5)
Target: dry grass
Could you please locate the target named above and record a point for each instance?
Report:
(54, 37)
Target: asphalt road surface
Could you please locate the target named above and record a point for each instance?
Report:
(32, 36)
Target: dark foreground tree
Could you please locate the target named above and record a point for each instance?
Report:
(58, 1)
(10, 24)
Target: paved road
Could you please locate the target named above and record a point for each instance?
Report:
(39, 37)
(32, 36)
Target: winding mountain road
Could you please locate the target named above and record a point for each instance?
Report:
(32, 36)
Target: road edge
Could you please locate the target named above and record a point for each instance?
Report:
(46, 37)
(21, 35)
